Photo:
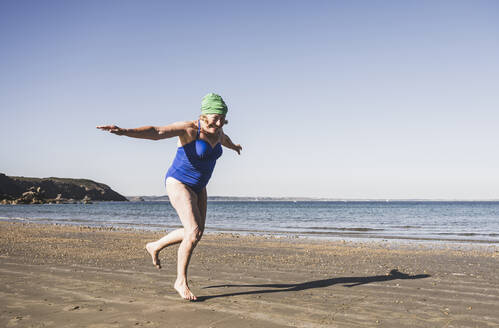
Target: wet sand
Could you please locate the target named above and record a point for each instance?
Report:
(67, 276)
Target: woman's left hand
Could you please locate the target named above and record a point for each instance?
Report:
(229, 144)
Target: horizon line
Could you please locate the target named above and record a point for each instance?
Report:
(343, 199)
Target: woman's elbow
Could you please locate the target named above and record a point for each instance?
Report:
(160, 135)
(157, 137)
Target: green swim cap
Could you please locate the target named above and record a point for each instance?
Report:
(213, 104)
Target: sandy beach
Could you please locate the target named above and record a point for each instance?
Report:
(69, 276)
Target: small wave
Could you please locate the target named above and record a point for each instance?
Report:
(361, 229)
(14, 218)
(467, 234)
(149, 225)
(407, 227)
(61, 220)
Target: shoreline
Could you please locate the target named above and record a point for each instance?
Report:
(332, 236)
(98, 277)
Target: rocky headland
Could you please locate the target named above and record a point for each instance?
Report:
(24, 190)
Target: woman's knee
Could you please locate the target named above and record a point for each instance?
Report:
(193, 236)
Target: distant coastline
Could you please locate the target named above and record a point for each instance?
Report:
(301, 199)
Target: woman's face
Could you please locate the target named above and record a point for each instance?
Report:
(213, 122)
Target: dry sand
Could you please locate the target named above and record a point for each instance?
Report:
(64, 276)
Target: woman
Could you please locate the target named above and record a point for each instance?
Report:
(199, 146)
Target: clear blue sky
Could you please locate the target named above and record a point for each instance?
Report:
(350, 99)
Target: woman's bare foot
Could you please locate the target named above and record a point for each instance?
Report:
(154, 254)
(184, 291)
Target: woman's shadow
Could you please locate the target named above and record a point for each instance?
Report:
(347, 281)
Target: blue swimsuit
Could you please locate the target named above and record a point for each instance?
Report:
(194, 163)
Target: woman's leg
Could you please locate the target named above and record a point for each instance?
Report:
(186, 203)
(202, 205)
(176, 236)
(173, 237)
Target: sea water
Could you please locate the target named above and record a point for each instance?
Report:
(404, 220)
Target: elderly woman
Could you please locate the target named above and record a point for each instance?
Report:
(199, 146)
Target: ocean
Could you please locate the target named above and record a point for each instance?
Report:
(468, 222)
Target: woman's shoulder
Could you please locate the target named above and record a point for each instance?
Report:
(190, 128)
(187, 126)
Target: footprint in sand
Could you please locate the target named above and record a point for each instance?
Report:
(71, 308)
(17, 320)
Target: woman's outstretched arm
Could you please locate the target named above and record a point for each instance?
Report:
(229, 144)
(149, 132)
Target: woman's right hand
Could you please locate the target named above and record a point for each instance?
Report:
(113, 129)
